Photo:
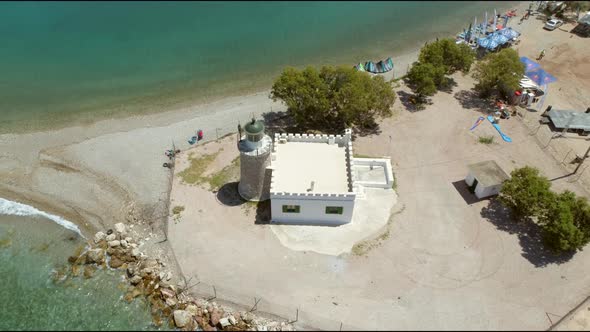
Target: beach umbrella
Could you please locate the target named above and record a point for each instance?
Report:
(530, 65)
(499, 38)
(540, 76)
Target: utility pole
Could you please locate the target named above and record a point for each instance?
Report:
(582, 161)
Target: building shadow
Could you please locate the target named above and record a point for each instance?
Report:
(228, 195)
(262, 213)
(467, 195)
(529, 235)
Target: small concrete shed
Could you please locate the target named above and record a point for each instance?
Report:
(485, 178)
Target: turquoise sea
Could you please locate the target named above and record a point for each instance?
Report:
(65, 62)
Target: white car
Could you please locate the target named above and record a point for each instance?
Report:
(553, 24)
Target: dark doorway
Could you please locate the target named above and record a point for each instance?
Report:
(472, 186)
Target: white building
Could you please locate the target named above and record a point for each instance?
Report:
(314, 178)
(485, 178)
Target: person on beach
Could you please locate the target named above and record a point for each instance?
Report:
(541, 55)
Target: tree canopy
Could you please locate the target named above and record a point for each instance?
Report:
(436, 60)
(501, 71)
(564, 218)
(333, 98)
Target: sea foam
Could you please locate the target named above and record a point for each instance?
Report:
(17, 209)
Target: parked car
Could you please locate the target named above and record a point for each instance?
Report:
(553, 24)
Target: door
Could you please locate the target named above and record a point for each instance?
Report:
(473, 186)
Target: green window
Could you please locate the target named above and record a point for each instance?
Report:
(334, 209)
(291, 208)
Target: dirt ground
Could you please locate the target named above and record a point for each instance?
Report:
(450, 262)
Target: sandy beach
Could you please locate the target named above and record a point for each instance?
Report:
(111, 171)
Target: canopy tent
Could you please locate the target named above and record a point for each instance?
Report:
(499, 38)
(540, 76)
(509, 33)
(487, 43)
(530, 65)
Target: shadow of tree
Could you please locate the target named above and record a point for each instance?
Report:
(470, 99)
(279, 122)
(529, 236)
(449, 86)
(407, 101)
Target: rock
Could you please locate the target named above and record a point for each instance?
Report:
(168, 275)
(89, 271)
(111, 237)
(232, 320)
(135, 252)
(95, 256)
(165, 284)
(224, 322)
(131, 270)
(109, 231)
(115, 262)
(193, 309)
(216, 316)
(128, 239)
(133, 245)
(120, 228)
(181, 318)
(162, 275)
(247, 317)
(123, 243)
(99, 236)
(135, 280)
(114, 243)
(261, 328)
(171, 302)
(167, 292)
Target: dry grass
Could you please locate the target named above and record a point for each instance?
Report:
(486, 139)
(227, 174)
(194, 173)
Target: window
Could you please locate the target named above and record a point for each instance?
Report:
(334, 209)
(254, 137)
(291, 208)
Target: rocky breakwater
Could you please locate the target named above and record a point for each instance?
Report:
(149, 278)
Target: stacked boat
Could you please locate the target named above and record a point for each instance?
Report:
(380, 67)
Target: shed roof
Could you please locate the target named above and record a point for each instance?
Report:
(569, 119)
(488, 173)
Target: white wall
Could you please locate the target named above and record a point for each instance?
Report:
(469, 179)
(312, 211)
(388, 173)
(482, 192)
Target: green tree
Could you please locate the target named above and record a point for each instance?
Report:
(561, 231)
(426, 78)
(526, 193)
(447, 53)
(333, 98)
(501, 71)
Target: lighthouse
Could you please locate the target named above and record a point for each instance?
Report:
(255, 149)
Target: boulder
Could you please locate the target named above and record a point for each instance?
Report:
(171, 302)
(89, 271)
(182, 318)
(115, 262)
(135, 252)
(114, 243)
(224, 322)
(232, 320)
(123, 243)
(95, 256)
(193, 309)
(128, 239)
(99, 236)
(120, 228)
(135, 280)
(247, 317)
(216, 316)
(111, 237)
(167, 292)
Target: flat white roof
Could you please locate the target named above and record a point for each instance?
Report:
(297, 164)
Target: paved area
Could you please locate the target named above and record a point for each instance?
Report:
(450, 262)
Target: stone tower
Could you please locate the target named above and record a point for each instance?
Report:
(255, 148)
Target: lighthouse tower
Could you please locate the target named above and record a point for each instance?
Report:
(255, 149)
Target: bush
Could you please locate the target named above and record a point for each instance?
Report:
(526, 193)
(565, 224)
(486, 139)
(333, 98)
(501, 71)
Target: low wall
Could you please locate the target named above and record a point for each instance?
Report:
(385, 163)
